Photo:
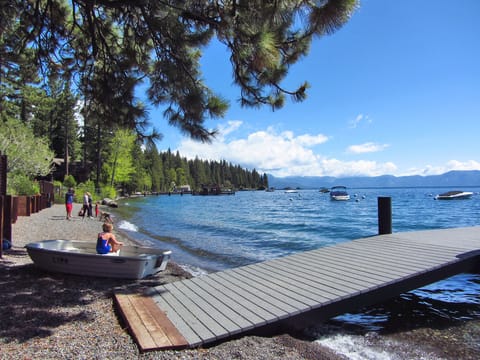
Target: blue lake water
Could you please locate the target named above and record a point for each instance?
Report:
(211, 233)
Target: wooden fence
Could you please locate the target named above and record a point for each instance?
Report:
(5, 222)
(11, 207)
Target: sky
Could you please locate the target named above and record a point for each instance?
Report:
(395, 91)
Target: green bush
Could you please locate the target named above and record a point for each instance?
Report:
(19, 184)
(60, 191)
(69, 181)
(82, 188)
(108, 191)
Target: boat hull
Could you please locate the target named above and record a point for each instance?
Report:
(81, 258)
(340, 197)
(454, 195)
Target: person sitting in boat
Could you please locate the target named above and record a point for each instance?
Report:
(106, 242)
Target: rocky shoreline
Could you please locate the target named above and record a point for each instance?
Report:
(55, 316)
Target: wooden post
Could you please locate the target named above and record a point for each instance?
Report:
(14, 209)
(3, 174)
(1, 225)
(7, 217)
(384, 215)
(3, 193)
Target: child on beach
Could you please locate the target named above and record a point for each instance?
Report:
(106, 242)
(97, 209)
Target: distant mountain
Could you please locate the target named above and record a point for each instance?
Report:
(449, 179)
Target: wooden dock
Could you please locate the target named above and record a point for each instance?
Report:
(296, 289)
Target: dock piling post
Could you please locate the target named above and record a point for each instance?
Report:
(384, 215)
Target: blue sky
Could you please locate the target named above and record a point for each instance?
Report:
(395, 91)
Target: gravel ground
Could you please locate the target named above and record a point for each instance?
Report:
(55, 316)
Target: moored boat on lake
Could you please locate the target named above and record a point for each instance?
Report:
(81, 258)
(454, 195)
(339, 193)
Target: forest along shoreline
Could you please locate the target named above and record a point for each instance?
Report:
(49, 315)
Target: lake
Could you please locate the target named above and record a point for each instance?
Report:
(212, 233)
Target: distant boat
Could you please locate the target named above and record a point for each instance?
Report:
(270, 189)
(339, 193)
(214, 190)
(290, 191)
(454, 195)
(324, 190)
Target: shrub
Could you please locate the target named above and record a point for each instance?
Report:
(69, 181)
(108, 192)
(19, 184)
(82, 188)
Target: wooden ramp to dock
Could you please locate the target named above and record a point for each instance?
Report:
(316, 285)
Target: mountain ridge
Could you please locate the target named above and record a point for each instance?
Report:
(455, 178)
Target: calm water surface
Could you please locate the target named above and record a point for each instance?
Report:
(211, 233)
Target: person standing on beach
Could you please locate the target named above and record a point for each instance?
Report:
(85, 208)
(69, 202)
(90, 206)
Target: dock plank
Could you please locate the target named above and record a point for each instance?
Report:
(205, 318)
(339, 270)
(230, 299)
(150, 326)
(173, 300)
(399, 247)
(215, 300)
(239, 300)
(395, 263)
(288, 293)
(323, 276)
(262, 300)
(330, 289)
(181, 324)
(214, 319)
(366, 269)
(320, 296)
(257, 288)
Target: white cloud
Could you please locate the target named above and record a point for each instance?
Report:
(309, 140)
(441, 169)
(286, 154)
(231, 126)
(337, 168)
(368, 147)
(358, 119)
(280, 154)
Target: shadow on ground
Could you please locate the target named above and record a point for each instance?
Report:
(35, 302)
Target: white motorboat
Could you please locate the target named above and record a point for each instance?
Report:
(81, 258)
(339, 193)
(454, 195)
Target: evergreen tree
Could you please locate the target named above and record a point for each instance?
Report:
(109, 46)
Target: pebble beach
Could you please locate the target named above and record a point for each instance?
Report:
(57, 316)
